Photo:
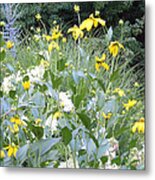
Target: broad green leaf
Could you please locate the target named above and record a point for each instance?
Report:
(66, 135)
(44, 145)
(85, 119)
(21, 155)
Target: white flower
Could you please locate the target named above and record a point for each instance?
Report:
(36, 74)
(52, 123)
(69, 164)
(8, 84)
(66, 102)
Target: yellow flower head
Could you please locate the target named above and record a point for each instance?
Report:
(107, 116)
(38, 121)
(114, 48)
(90, 22)
(26, 85)
(76, 32)
(57, 115)
(121, 22)
(9, 44)
(2, 24)
(130, 104)
(56, 33)
(139, 126)
(64, 40)
(100, 63)
(119, 91)
(53, 45)
(38, 29)
(97, 13)
(76, 8)
(38, 17)
(17, 121)
(47, 37)
(44, 63)
(12, 150)
(136, 84)
(2, 154)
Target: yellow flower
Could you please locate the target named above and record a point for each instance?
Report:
(9, 44)
(100, 63)
(139, 126)
(38, 17)
(107, 116)
(119, 91)
(136, 84)
(114, 48)
(26, 85)
(2, 24)
(76, 32)
(12, 150)
(90, 22)
(44, 63)
(76, 8)
(47, 37)
(2, 154)
(97, 13)
(17, 121)
(54, 22)
(38, 121)
(57, 115)
(56, 33)
(38, 30)
(121, 22)
(64, 40)
(130, 104)
(53, 45)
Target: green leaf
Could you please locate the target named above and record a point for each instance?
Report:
(2, 42)
(26, 78)
(61, 65)
(44, 145)
(115, 75)
(2, 54)
(101, 84)
(12, 94)
(117, 160)
(21, 155)
(104, 159)
(102, 149)
(37, 130)
(66, 135)
(85, 119)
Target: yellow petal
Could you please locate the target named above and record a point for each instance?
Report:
(10, 151)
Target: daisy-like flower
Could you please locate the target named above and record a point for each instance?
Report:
(76, 32)
(9, 44)
(100, 62)
(91, 22)
(12, 149)
(130, 104)
(139, 126)
(114, 48)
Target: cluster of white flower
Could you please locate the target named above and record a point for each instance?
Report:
(66, 102)
(36, 74)
(9, 82)
(52, 123)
